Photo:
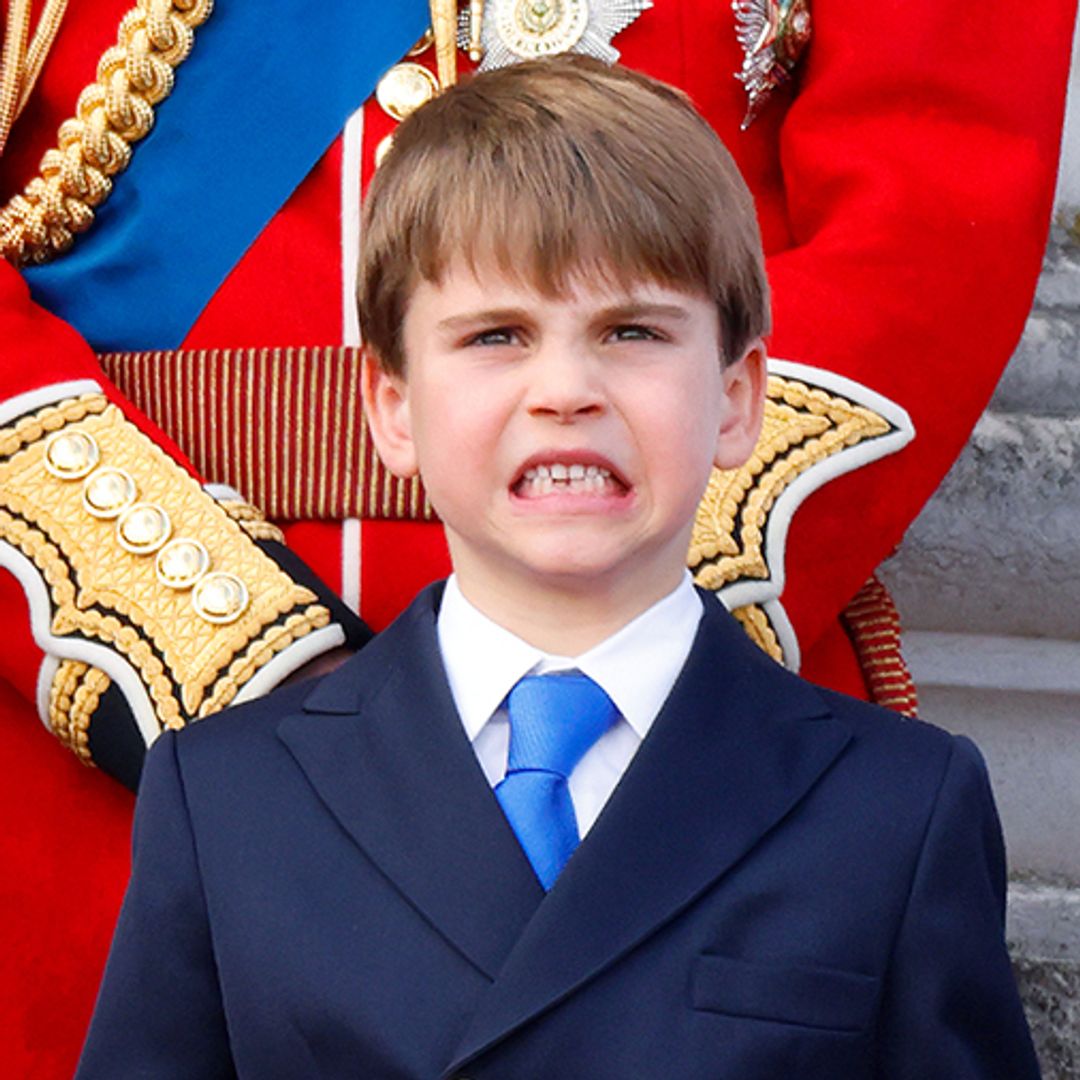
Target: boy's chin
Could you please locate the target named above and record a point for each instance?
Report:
(583, 572)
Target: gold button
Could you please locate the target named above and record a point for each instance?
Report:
(220, 597)
(180, 563)
(71, 454)
(404, 88)
(143, 528)
(108, 492)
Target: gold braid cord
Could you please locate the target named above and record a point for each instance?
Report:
(252, 520)
(73, 698)
(873, 624)
(113, 112)
(102, 592)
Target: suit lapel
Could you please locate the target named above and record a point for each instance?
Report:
(738, 743)
(389, 758)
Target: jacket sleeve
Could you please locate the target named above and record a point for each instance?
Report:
(918, 159)
(950, 1007)
(38, 350)
(159, 1011)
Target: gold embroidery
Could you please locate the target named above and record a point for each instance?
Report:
(31, 428)
(759, 629)
(100, 592)
(261, 652)
(251, 520)
(803, 426)
(112, 113)
(61, 692)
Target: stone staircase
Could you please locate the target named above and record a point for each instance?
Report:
(987, 581)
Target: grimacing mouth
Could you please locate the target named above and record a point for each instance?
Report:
(568, 473)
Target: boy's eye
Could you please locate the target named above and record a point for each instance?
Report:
(499, 335)
(633, 332)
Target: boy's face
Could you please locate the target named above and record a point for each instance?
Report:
(565, 442)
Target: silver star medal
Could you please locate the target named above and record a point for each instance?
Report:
(515, 30)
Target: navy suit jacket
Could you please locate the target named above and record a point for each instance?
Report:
(786, 883)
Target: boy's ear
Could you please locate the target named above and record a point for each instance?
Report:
(386, 405)
(744, 407)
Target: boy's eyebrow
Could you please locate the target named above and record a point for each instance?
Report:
(621, 312)
(636, 309)
(487, 315)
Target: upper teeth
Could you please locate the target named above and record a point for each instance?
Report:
(558, 471)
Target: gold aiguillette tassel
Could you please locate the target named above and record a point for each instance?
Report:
(476, 23)
(444, 28)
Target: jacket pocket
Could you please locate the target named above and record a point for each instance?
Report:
(810, 996)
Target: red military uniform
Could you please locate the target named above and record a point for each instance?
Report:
(916, 144)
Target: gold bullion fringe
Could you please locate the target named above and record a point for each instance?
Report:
(112, 113)
(73, 699)
(873, 624)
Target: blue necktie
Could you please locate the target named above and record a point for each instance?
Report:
(554, 719)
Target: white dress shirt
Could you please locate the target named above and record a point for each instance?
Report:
(636, 666)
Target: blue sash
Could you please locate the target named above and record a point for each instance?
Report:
(267, 88)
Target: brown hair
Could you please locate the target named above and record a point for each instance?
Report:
(554, 168)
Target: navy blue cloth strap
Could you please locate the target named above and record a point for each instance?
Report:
(267, 88)
(554, 719)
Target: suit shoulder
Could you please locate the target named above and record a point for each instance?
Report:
(910, 752)
(870, 721)
(242, 729)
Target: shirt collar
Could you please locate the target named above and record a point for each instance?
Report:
(637, 666)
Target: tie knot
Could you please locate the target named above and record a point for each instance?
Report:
(554, 719)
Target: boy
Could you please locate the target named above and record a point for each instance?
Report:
(380, 875)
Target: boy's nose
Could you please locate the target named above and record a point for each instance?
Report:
(564, 386)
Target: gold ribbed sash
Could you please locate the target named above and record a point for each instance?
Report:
(283, 426)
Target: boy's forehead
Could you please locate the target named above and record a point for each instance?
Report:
(589, 281)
